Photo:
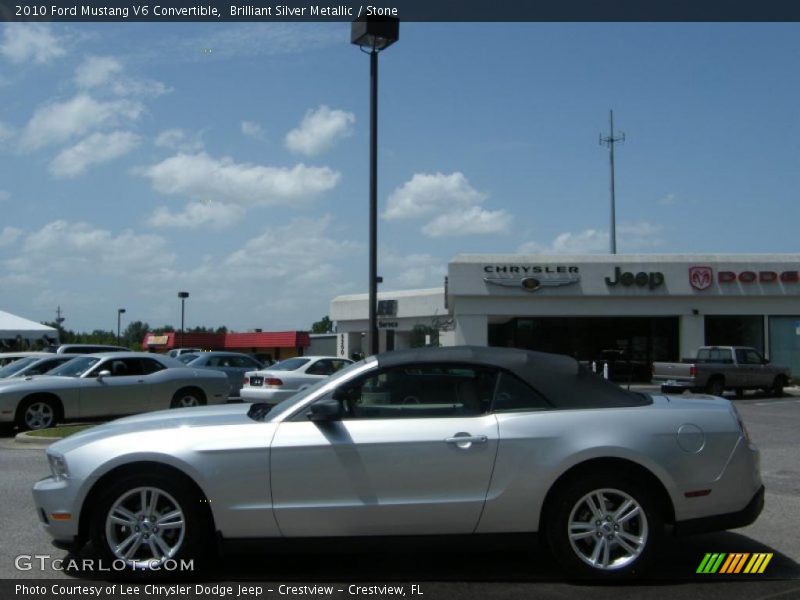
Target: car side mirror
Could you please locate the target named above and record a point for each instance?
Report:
(329, 409)
(103, 373)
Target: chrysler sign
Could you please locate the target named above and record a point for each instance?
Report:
(531, 277)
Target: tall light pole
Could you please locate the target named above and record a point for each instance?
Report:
(372, 36)
(119, 319)
(609, 141)
(183, 296)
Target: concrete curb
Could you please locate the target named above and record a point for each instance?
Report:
(25, 438)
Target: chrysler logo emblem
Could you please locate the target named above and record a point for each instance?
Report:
(531, 284)
(701, 277)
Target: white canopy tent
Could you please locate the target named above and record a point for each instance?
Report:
(14, 328)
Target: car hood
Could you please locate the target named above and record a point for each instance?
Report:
(175, 418)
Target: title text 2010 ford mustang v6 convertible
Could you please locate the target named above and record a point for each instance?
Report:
(462, 440)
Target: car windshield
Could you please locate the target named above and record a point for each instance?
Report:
(16, 366)
(260, 414)
(187, 357)
(75, 367)
(290, 364)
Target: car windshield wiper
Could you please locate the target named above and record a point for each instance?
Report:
(259, 410)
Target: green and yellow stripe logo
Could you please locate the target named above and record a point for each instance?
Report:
(734, 563)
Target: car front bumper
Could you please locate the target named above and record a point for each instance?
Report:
(54, 501)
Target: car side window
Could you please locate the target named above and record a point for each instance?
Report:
(339, 364)
(150, 366)
(425, 391)
(321, 367)
(753, 358)
(513, 395)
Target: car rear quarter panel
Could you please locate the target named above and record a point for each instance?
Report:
(537, 448)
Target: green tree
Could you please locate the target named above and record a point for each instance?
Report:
(324, 325)
(134, 334)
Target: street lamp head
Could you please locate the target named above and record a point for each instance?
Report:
(183, 294)
(120, 310)
(375, 34)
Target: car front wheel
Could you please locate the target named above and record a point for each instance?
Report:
(187, 398)
(149, 523)
(604, 527)
(36, 413)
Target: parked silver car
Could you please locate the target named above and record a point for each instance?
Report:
(34, 365)
(417, 442)
(107, 384)
(283, 379)
(233, 364)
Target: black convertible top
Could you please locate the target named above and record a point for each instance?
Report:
(564, 382)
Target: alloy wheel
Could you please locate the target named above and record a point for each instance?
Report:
(39, 415)
(145, 527)
(608, 529)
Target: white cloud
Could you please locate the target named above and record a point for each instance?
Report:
(96, 149)
(59, 121)
(470, 221)
(6, 133)
(106, 72)
(667, 200)
(426, 194)
(449, 202)
(630, 237)
(61, 247)
(412, 270)
(30, 43)
(319, 130)
(95, 71)
(202, 177)
(253, 130)
(178, 139)
(216, 215)
(9, 235)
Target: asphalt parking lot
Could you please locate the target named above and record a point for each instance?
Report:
(477, 570)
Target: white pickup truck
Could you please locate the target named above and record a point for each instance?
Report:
(720, 368)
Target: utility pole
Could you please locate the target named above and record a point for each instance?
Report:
(610, 141)
(59, 318)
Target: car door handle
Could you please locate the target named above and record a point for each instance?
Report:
(467, 439)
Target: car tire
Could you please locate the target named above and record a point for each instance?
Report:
(604, 526)
(141, 522)
(777, 386)
(715, 386)
(187, 398)
(37, 413)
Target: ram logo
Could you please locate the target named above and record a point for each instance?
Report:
(701, 277)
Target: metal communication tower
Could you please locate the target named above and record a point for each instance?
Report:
(609, 141)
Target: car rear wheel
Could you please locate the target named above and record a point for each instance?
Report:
(716, 386)
(36, 413)
(604, 526)
(146, 522)
(187, 398)
(777, 386)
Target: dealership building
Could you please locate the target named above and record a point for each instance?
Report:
(645, 307)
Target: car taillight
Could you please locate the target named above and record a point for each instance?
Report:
(692, 371)
(273, 381)
(246, 381)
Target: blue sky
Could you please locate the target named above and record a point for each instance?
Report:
(230, 160)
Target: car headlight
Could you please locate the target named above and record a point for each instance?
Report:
(58, 466)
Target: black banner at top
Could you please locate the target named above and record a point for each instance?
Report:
(405, 10)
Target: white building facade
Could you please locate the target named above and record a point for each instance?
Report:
(644, 307)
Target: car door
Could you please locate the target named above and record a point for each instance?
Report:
(412, 454)
(122, 392)
(758, 373)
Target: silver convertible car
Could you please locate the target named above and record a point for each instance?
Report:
(107, 384)
(462, 440)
